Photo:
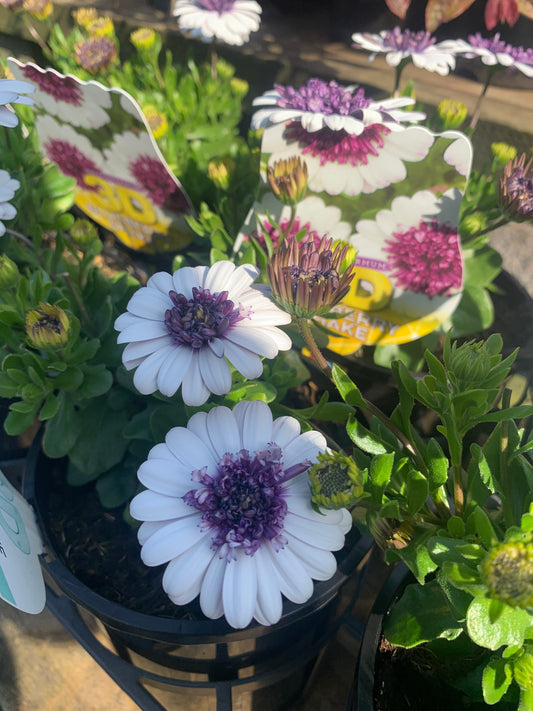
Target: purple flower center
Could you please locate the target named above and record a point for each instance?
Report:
(322, 97)
(198, 321)
(154, 178)
(244, 503)
(96, 54)
(71, 161)
(339, 146)
(407, 41)
(498, 46)
(220, 6)
(60, 88)
(426, 259)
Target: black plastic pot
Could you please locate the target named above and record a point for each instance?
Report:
(206, 656)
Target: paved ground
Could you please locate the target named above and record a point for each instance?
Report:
(41, 667)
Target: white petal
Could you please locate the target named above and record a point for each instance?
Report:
(285, 429)
(148, 528)
(172, 540)
(189, 449)
(149, 303)
(246, 362)
(215, 372)
(194, 391)
(165, 477)
(150, 506)
(145, 378)
(173, 370)
(293, 580)
(211, 592)
(306, 446)
(315, 533)
(161, 281)
(183, 281)
(239, 590)
(142, 330)
(223, 431)
(140, 349)
(253, 339)
(183, 577)
(319, 564)
(256, 426)
(269, 601)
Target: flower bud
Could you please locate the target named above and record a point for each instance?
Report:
(508, 572)
(224, 69)
(336, 481)
(239, 87)
(288, 180)
(503, 152)
(451, 113)
(516, 189)
(40, 9)
(143, 39)
(83, 16)
(220, 172)
(307, 279)
(101, 27)
(156, 120)
(9, 273)
(47, 327)
(96, 54)
(83, 232)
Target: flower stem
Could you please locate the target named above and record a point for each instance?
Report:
(305, 330)
(477, 109)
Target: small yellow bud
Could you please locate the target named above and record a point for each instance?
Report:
(220, 172)
(239, 87)
(40, 9)
(156, 120)
(143, 39)
(503, 152)
(452, 113)
(48, 326)
(83, 232)
(288, 180)
(101, 27)
(83, 16)
(508, 572)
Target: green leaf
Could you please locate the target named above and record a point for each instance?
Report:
(50, 407)
(69, 380)
(117, 486)
(363, 438)
(437, 464)
(511, 413)
(523, 671)
(379, 474)
(421, 614)
(483, 527)
(62, 430)
(497, 677)
(96, 381)
(17, 422)
(474, 313)
(348, 390)
(508, 628)
(417, 490)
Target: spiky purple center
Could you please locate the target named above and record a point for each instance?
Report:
(407, 41)
(71, 161)
(339, 146)
(426, 259)
(322, 97)
(198, 321)
(243, 504)
(220, 6)
(498, 46)
(60, 88)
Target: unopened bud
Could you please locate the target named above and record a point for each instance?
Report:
(48, 326)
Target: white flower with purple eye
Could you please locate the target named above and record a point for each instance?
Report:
(228, 509)
(319, 104)
(182, 329)
(420, 239)
(12, 92)
(495, 53)
(76, 103)
(399, 47)
(8, 187)
(230, 21)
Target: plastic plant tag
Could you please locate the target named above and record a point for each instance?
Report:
(397, 204)
(21, 580)
(99, 137)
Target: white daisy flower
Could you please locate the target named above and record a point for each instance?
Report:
(227, 508)
(230, 21)
(420, 48)
(182, 329)
(494, 52)
(8, 187)
(342, 163)
(311, 213)
(11, 92)
(83, 104)
(319, 104)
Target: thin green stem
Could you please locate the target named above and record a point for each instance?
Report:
(305, 330)
(477, 109)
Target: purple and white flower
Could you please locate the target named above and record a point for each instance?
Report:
(340, 162)
(183, 328)
(227, 508)
(399, 46)
(231, 21)
(494, 52)
(419, 238)
(319, 104)
(12, 92)
(73, 153)
(8, 187)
